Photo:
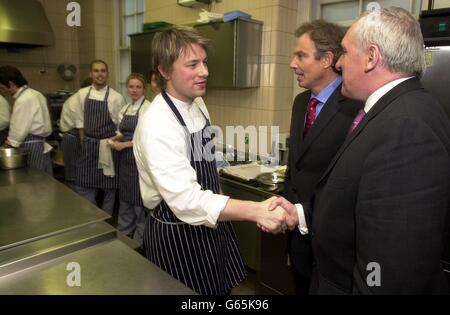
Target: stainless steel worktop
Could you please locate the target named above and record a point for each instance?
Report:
(33, 205)
(44, 226)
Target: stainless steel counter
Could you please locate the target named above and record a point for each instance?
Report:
(34, 205)
(44, 226)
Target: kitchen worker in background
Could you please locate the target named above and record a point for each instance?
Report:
(379, 217)
(97, 112)
(154, 89)
(70, 143)
(30, 120)
(132, 213)
(321, 118)
(5, 114)
(188, 233)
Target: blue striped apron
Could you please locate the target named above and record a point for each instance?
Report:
(71, 148)
(205, 259)
(98, 125)
(128, 173)
(36, 158)
(35, 145)
(3, 135)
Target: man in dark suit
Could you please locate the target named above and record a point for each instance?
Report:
(321, 118)
(380, 210)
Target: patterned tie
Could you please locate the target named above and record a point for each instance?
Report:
(357, 120)
(311, 115)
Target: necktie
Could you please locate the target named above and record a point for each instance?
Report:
(310, 115)
(357, 120)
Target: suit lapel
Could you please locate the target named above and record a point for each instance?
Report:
(328, 111)
(300, 125)
(385, 101)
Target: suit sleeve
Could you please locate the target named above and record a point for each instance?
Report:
(401, 207)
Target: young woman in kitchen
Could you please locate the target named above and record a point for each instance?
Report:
(131, 219)
(188, 233)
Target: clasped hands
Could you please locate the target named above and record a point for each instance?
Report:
(277, 215)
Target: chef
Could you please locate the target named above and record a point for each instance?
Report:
(30, 120)
(70, 143)
(97, 117)
(4, 118)
(188, 233)
(131, 218)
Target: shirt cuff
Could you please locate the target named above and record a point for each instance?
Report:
(214, 207)
(14, 143)
(302, 227)
(79, 124)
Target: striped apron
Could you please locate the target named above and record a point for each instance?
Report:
(71, 148)
(35, 145)
(3, 135)
(36, 158)
(205, 259)
(128, 173)
(98, 125)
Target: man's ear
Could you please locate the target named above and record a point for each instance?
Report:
(165, 75)
(373, 58)
(327, 60)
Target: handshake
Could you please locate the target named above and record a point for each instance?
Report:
(276, 215)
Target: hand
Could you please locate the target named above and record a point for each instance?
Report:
(271, 221)
(118, 146)
(291, 211)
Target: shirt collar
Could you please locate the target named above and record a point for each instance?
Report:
(20, 90)
(103, 89)
(375, 96)
(180, 104)
(325, 94)
(139, 101)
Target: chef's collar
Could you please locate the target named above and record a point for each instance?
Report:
(181, 104)
(103, 89)
(20, 90)
(139, 101)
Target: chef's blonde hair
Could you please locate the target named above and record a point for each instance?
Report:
(169, 44)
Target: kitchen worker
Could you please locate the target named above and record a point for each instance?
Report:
(5, 114)
(70, 142)
(98, 108)
(131, 219)
(188, 233)
(30, 120)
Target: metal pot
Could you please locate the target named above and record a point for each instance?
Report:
(12, 158)
(271, 181)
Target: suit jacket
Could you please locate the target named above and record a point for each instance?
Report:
(310, 156)
(384, 199)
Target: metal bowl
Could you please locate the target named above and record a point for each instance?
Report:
(12, 158)
(270, 181)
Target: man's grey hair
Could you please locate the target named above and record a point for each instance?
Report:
(398, 36)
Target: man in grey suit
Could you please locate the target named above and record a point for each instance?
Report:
(321, 118)
(379, 216)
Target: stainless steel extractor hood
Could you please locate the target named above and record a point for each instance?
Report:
(24, 22)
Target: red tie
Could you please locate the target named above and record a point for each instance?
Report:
(357, 120)
(310, 115)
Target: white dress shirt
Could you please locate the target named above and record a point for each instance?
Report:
(115, 103)
(30, 115)
(370, 102)
(163, 162)
(4, 113)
